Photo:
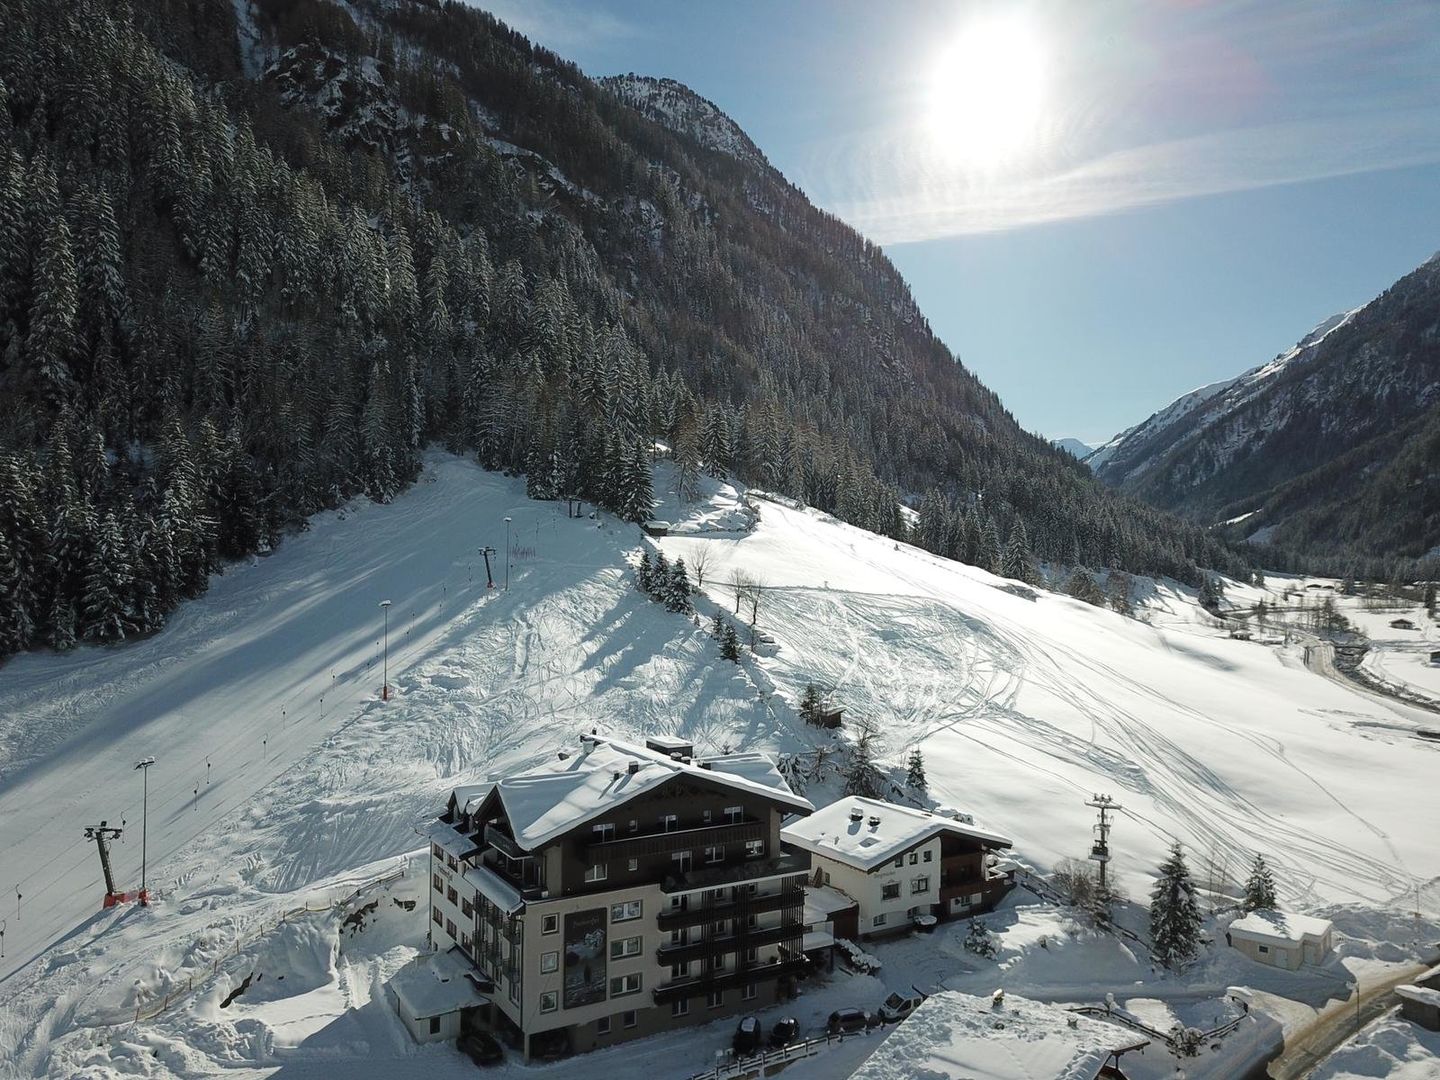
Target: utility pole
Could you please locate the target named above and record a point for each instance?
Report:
(144, 766)
(102, 834)
(385, 687)
(507, 554)
(1100, 849)
(489, 579)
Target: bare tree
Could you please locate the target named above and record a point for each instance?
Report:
(753, 596)
(699, 564)
(740, 581)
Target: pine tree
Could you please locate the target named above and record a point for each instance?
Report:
(644, 573)
(979, 940)
(1017, 555)
(1082, 586)
(1175, 920)
(1259, 886)
(915, 771)
(810, 704)
(677, 588)
(636, 500)
(730, 644)
(987, 554)
(51, 345)
(106, 616)
(862, 777)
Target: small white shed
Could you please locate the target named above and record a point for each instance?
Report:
(1281, 939)
(432, 991)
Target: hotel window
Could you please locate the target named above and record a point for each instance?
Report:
(920, 884)
(878, 920)
(680, 971)
(620, 948)
(899, 860)
(752, 954)
(549, 924)
(467, 909)
(748, 994)
(914, 857)
(715, 999)
(714, 854)
(928, 853)
(450, 928)
(596, 872)
(437, 851)
(630, 1018)
(549, 961)
(754, 849)
(604, 833)
(669, 822)
(450, 859)
(706, 817)
(890, 891)
(634, 865)
(438, 882)
(625, 984)
(451, 895)
(623, 912)
(435, 915)
(634, 825)
(549, 1001)
(733, 814)
(679, 937)
(680, 1008)
(602, 1026)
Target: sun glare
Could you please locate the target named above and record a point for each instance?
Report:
(988, 93)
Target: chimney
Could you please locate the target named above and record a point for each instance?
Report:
(874, 821)
(634, 766)
(856, 814)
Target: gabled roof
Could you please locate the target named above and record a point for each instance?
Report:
(543, 805)
(1280, 925)
(832, 832)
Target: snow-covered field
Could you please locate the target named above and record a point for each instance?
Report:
(282, 779)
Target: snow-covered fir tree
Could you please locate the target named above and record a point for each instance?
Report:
(1259, 886)
(1175, 919)
(675, 589)
(810, 703)
(980, 940)
(730, 644)
(644, 573)
(915, 771)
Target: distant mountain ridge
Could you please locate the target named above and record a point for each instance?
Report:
(1075, 447)
(1322, 450)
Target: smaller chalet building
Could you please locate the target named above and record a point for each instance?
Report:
(1280, 939)
(897, 862)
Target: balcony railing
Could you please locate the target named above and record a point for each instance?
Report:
(704, 911)
(738, 873)
(663, 843)
(715, 981)
(729, 943)
(503, 842)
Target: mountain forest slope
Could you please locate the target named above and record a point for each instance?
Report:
(254, 256)
(1327, 450)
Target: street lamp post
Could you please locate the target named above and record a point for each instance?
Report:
(507, 554)
(144, 766)
(385, 686)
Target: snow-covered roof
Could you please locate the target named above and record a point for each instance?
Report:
(543, 805)
(494, 888)
(960, 1035)
(434, 984)
(822, 901)
(832, 831)
(1423, 994)
(1280, 926)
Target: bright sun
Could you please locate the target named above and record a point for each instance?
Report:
(988, 93)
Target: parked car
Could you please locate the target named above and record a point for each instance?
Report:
(785, 1031)
(842, 1020)
(481, 1048)
(747, 1036)
(897, 1006)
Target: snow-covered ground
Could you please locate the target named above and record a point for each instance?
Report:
(283, 779)
(1392, 1049)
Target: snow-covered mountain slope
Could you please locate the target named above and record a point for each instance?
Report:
(281, 776)
(1075, 447)
(680, 109)
(1133, 450)
(1299, 440)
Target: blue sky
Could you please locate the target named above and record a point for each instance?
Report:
(1178, 189)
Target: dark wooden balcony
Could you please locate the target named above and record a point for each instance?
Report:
(704, 911)
(637, 846)
(713, 981)
(744, 938)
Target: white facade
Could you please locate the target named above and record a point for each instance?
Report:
(1281, 940)
(892, 893)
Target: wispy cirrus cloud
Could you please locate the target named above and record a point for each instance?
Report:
(1156, 102)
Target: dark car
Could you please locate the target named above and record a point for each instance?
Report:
(785, 1031)
(481, 1048)
(842, 1020)
(747, 1036)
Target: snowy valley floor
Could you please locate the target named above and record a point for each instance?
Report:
(281, 777)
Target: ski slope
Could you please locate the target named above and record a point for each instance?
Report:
(1022, 706)
(1025, 707)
